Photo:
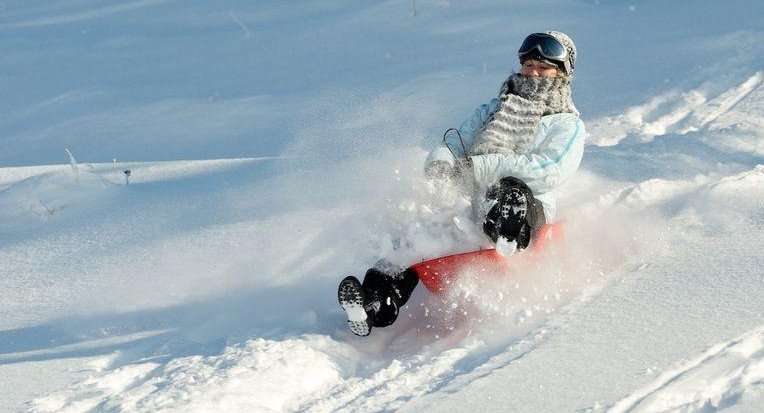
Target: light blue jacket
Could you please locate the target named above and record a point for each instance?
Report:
(558, 146)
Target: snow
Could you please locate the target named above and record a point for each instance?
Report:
(714, 379)
(275, 148)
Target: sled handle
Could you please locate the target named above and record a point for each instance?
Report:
(445, 134)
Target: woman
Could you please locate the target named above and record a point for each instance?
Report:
(516, 152)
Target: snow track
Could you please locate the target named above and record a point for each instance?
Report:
(88, 14)
(715, 379)
(672, 112)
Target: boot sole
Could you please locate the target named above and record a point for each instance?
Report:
(351, 298)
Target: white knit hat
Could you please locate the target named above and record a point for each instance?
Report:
(569, 45)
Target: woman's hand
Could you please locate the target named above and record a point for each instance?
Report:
(438, 171)
(461, 174)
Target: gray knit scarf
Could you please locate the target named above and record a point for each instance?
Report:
(524, 100)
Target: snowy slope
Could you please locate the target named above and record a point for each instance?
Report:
(209, 285)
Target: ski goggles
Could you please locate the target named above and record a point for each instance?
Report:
(548, 47)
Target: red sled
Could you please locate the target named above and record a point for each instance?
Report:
(439, 274)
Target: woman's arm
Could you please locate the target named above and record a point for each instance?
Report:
(467, 131)
(546, 167)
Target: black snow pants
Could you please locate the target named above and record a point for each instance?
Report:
(387, 293)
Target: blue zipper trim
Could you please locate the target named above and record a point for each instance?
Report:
(564, 151)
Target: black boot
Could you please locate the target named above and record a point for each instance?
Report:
(376, 302)
(514, 214)
(352, 299)
(387, 293)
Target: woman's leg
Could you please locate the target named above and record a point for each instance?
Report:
(386, 294)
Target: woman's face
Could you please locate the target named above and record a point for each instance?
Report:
(537, 68)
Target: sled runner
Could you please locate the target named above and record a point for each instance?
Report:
(439, 274)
